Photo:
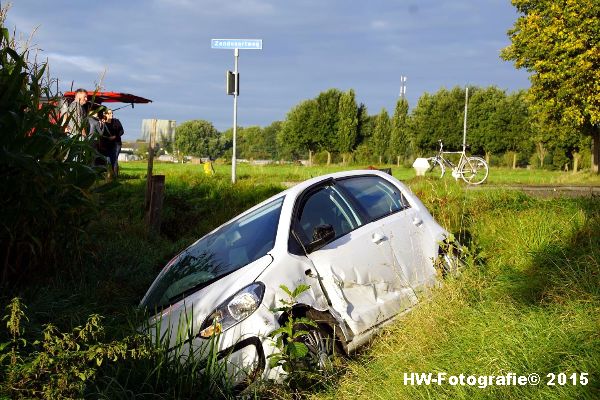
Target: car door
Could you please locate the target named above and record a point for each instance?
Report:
(384, 202)
(356, 266)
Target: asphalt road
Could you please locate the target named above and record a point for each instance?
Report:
(547, 191)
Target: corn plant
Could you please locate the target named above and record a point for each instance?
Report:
(46, 176)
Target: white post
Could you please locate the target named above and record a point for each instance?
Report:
(465, 123)
(236, 54)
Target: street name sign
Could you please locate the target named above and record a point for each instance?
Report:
(241, 44)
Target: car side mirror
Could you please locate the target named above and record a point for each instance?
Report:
(322, 234)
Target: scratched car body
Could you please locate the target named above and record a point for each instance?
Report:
(362, 241)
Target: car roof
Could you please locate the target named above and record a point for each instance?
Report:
(295, 190)
(336, 175)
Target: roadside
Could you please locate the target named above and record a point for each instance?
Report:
(545, 191)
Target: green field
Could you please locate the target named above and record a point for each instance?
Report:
(295, 173)
(528, 302)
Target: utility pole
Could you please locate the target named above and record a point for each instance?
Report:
(402, 94)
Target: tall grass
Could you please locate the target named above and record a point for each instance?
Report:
(529, 304)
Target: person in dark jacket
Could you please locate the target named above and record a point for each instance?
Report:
(110, 141)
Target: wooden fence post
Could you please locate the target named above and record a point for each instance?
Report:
(152, 143)
(156, 203)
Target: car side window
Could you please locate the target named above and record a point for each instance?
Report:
(376, 197)
(325, 206)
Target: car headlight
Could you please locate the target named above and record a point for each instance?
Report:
(233, 310)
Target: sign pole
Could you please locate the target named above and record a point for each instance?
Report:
(465, 122)
(236, 55)
(236, 45)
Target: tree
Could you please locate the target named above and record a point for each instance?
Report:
(328, 119)
(487, 130)
(439, 116)
(514, 112)
(365, 125)
(557, 41)
(347, 124)
(198, 138)
(381, 135)
(270, 139)
(301, 131)
(399, 140)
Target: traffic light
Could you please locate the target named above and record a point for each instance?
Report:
(233, 84)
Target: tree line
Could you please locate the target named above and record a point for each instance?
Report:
(333, 127)
(556, 123)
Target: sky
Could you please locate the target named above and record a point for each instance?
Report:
(161, 50)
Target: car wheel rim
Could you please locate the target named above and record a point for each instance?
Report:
(319, 348)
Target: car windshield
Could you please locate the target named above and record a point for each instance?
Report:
(215, 255)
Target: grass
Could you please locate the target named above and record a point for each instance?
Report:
(296, 173)
(529, 302)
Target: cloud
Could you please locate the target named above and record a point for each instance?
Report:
(147, 78)
(380, 24)
(221, 8)
(87, 64)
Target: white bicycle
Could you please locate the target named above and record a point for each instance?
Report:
(473, 170)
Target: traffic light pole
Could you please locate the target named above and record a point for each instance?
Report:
(236, 55)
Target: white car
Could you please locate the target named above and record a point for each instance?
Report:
(362, 241)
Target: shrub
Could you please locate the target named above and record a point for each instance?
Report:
(60, 364)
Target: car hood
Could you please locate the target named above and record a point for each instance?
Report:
(188, 314)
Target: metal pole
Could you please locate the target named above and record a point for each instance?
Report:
(465, 123)
(236, 54)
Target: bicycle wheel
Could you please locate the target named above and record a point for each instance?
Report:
(474, 170)
(436, 166)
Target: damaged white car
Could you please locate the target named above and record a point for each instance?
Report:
(364, 243)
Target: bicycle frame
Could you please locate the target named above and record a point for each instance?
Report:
(440, 156)
(473, 170)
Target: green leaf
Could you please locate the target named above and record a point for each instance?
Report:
(300, 333)
(297, 350)
(305, 321)
(300, 289)
(286, 290)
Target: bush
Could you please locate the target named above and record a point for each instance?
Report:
(60, 364)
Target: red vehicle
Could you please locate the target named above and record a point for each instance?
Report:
(109, 97)
(95, 99)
